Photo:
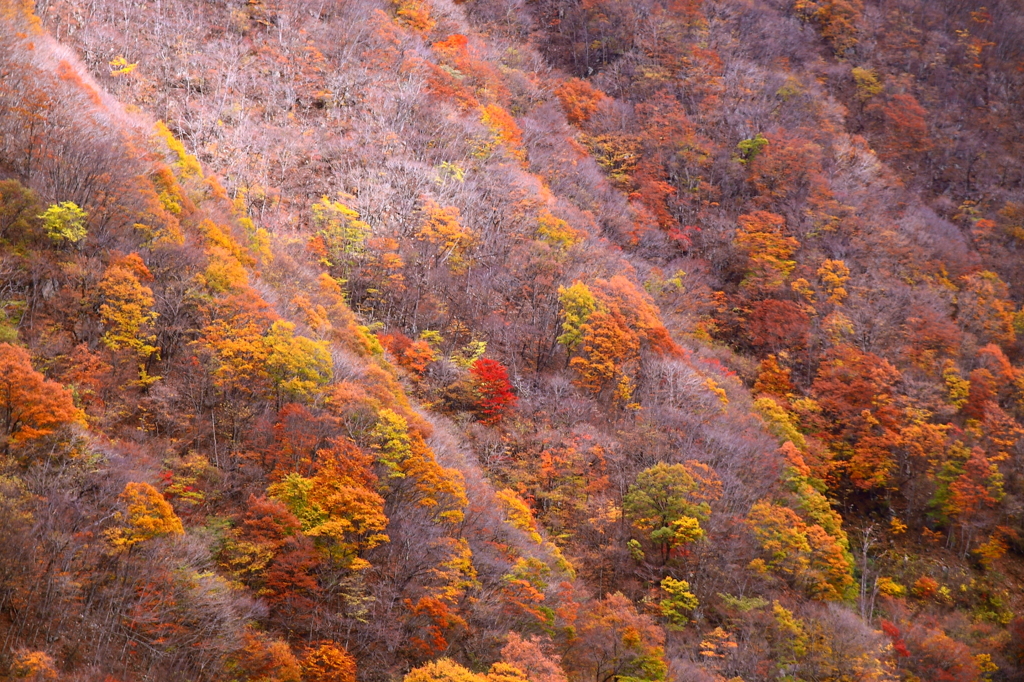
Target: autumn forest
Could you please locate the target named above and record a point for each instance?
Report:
(512, 340)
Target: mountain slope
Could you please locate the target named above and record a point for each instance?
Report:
(748, 268)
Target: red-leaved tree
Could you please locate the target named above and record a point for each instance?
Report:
(494, 391)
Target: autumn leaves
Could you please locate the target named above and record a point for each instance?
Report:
(605, 326)
(31, 407)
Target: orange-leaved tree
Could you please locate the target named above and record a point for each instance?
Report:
(617, 643)
(30, 406)
(328, 662)
(338, 507)
(579, 99)
(610, 324)
(268, 553)
(452, 241)
(528, 656)
(855, 390)
(837, 20)
(147, 516)
(234, 345)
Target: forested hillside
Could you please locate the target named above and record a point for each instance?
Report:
(511, 340)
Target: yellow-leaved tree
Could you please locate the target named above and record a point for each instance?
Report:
(770, 251)
(802, 553)
(64, 223)
(577, 305)
(127, 311)
(341, 235)
(668, 502)
(297, 365)
(447, 670)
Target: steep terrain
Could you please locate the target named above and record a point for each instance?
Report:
(511, 340)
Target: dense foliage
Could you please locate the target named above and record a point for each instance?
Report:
(506, 341)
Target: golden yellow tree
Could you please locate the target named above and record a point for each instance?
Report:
(762, 235)
(442, 229)
(127, 311)
(297, 365)
(147, 516)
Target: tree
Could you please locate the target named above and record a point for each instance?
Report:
(391, 441)
(127, 308)
(18, 210)
(339, 506)
(415, 356)
(610, 349)
(837, 20)
(438, 489)
(527, 656)
(442, 670)
(615, 642)
(669, 501)
(431, 621)
(577, 305)
(491, 384)
(263, 659)
(556, 232)
(328, 662)
(678, 602)
(762, 235)
(267, 552)
(258, 536)
(453, 243)
(834, 274)
(803, 553)
(447, 670)
(981, 394)
(925, 652)
(867, 84)
(147, 516)
(807, 495)
(415, 14)
(855, 391)
(234, 343)
(773, 379)
(778, 326)
(342, 234)
(984, 308)
(785, 171)
(34, 666)
(579, 99)
(506, 672)
(298, 366)
(504, 130)
(968, 487)
(64, 223)
(904, 125)
(31, 407)
(751, 147)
